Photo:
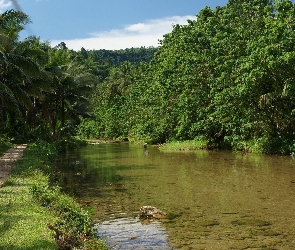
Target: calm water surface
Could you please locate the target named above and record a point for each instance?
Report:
(213, 200)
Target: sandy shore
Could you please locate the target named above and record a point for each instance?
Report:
(8, 159)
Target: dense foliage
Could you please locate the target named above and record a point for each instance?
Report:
(226, 77)
(44, 91)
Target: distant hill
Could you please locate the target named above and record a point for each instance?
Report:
(117, 57)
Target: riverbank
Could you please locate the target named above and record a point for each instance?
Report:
(243, 146)
(34, 215)
(185, 145)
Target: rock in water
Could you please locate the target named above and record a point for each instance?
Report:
(150, 212)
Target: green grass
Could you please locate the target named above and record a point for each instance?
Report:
(23, 223)
(29, 207)
(185, 145)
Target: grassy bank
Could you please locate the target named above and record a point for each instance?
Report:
(184, 145)
(257, 146)
(34, 215)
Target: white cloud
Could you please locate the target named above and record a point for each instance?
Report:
(4, 5)
(134, 35)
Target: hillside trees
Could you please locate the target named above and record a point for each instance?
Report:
(109, 103)
(116, 57)
(227, 76)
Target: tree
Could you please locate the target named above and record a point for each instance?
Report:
(68, 100)
(16, 66)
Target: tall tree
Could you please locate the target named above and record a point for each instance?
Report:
(71, 86)
(17, 68)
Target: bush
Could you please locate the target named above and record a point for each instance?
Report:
(88, 128)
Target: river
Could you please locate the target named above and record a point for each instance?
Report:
(213, 199)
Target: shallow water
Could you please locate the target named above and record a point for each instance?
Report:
(130, 233)
(213, 200)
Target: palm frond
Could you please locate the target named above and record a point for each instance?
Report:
(22, 96)
(8, 100)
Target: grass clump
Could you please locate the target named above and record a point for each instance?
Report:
(34, 215)
(199, 143)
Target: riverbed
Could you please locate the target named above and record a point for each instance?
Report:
(213, 199)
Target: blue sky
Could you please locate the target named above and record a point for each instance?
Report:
(106, 24)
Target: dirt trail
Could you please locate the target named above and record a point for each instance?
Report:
(7, 161)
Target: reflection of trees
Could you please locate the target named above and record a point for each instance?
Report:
(202, 192)
(82, 179)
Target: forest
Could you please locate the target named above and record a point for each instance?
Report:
(226, 78)
(45, 91)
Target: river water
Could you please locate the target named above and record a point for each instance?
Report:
(213, 199)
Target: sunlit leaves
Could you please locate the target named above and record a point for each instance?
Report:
(227, 74)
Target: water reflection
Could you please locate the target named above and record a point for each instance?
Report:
(214, 200)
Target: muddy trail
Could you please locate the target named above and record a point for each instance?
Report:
(7, 161)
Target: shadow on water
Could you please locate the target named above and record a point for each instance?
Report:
(213, 200)
(82, 180)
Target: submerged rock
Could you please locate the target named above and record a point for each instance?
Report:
(150, 212)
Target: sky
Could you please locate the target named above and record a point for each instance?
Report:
(106, 24)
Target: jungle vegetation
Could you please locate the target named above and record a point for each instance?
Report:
(45, 90)
(226, 78)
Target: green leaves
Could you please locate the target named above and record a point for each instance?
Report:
(228, 76)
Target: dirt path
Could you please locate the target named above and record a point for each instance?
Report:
(7, 161)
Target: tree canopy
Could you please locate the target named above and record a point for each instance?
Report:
(227, 76)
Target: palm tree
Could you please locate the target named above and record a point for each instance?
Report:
(16, 66)
(71, 85)
(37, 82)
